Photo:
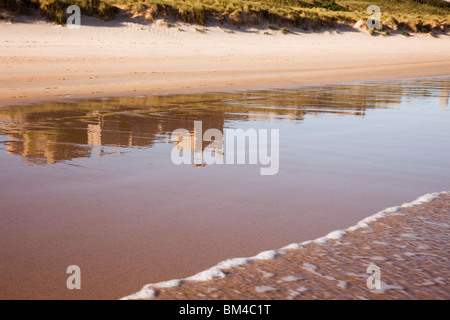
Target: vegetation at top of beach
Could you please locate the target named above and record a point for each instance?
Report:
(55, 10)
(410, 15)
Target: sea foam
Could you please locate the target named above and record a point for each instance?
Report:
(216, 272)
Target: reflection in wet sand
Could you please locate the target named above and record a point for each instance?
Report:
(444, 94)
(52, 132)
(346, 151)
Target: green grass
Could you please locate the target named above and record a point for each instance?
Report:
(55, 10)
(410, 15)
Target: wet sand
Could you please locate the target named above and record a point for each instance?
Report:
(42, 61)
(408, 243)
(91, 183)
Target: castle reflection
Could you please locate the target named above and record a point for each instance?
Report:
(52, 132)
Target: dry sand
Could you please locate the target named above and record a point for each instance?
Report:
(42, 61)
(409, 245)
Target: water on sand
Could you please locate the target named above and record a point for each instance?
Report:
(91, 183)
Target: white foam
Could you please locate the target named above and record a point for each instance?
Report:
(342, 284)
(266, 255)
(165, 284)
(265, 289)
(423, 199)
(392, 209)
(266, 274)
(292, 246)
(216, 272)
(143, 294)
(231, 263)
(210, 274)
(290, 278)
(334, 235)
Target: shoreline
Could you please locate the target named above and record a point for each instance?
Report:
(111, 92)
(75, 98)
(48, 62)
(213, 280)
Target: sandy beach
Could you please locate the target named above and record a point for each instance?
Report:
(92, 183)
(43, 61)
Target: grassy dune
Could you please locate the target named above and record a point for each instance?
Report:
(410, 15)
(54, 10)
